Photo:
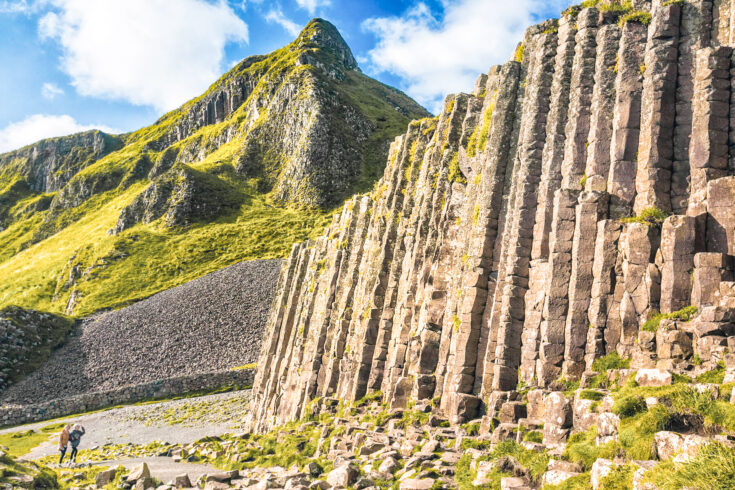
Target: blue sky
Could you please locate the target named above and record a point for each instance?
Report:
(69, 65)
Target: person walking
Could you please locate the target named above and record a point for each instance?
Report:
(64, 442)
(75, 437)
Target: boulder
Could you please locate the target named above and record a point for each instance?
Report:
(105, 477)
(514, 483)
(558, 410)
(680, 447)
(145, 483)
(484, 468)
(504, 432)
(216, 485)
(653, 377)
(320, 485)
(182, 481)
(416, 484)
(607, 427)
(344, 476)
(511, 412)
(556, 477)
(140, 471)
(222, 477)
(389, 465)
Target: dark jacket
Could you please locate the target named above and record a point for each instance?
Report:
(76, 436)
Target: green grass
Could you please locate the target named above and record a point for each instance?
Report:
(581, 449)
(716, 375)
(535, 462)
(579, 482)
(43, 478)
(147, 258)
(19, 443)
(478, 138)
(684, 315)
(713, 468)
(651, 216)
(620, 477)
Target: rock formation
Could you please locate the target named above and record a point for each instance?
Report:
(578, 203)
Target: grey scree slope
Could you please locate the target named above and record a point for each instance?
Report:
(210, 324)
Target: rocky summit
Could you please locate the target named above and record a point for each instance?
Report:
(242, 172)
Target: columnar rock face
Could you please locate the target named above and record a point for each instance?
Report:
(532, 227)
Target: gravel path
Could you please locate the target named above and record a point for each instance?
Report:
(210, 324)
(174, 421)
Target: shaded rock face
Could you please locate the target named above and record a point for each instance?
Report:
(48, 165)
(180, 196)
(496, 250)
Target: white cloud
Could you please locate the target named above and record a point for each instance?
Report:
(50, 91)
(312, 5)
(20, 6)
(276, 16)
(39, 126)
(439, 55)
(149, 52)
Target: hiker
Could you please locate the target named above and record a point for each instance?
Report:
(77, 431)
(63, 442)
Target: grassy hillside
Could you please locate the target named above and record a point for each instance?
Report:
(257, 163)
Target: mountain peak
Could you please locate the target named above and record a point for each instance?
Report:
(320, 33)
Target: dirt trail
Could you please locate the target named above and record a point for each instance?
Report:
(174, 421)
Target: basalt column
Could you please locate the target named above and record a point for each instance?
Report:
(550, 182)
(520, 231)
(655, 151)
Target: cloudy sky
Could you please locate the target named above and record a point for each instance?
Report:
(118, 65)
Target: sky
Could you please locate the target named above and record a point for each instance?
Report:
(118, 65)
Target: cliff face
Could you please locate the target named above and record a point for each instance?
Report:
(259, 160)
(578, 203)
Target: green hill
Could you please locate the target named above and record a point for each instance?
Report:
(258, 162)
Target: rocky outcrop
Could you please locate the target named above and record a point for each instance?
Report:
(48, 165)
(534, 226)
(27, 339)
(180, 196)
(43, 168)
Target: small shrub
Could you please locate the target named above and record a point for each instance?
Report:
(651, 216)
(533, 436)
(455, 174)
(519, 53)
(639, 16)
(716, 375)
(619, 477)
(629, 406)
(591, 395)
(610, 361)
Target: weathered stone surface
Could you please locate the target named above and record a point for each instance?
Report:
(680, 447)
(653, 377)
(495, 249)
